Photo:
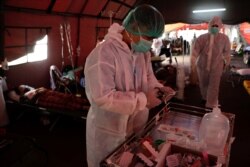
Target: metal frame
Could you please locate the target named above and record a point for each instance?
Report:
(163, 113)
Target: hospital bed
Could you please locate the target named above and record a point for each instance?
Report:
(51, 102)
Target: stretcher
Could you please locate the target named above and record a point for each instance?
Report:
(53, 103)
(183, 117)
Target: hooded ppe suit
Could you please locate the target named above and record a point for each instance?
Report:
(4, 120)
(117, 80)
(211, 51)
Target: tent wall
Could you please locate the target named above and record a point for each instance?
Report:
(83, 32)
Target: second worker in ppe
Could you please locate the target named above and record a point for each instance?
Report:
(211, 54)
(120, 83)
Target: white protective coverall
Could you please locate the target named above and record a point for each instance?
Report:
(117, 80)
(4, 120)
(211, 51)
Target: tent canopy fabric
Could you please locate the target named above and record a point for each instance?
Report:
(172, 10)
(184, 26)
(201, 26)
(174, 26)
(177, 14)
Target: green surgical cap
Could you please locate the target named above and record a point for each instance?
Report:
(144, 20)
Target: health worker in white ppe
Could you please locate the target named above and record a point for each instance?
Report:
(211, 54)
(120, 83)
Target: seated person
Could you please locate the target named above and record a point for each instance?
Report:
(57, 80)
(66, 81)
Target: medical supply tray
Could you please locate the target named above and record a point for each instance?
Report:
(176, 115)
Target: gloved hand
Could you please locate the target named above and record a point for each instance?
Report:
(152, 98)
(166, 93)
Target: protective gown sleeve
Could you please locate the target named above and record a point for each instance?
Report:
(227, 51)
(104, 93)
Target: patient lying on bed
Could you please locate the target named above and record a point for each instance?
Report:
(47, 98)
